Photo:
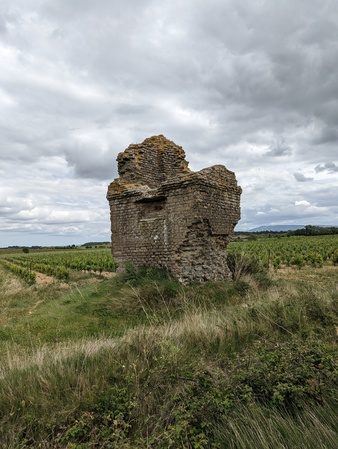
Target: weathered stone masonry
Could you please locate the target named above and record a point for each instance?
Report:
(165, 215)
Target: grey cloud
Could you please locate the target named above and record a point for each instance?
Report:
(248, 84)
(3, 26)
(301, 178)
(125, 109)
(6, 17)
(76, 9)
(330, 167)
(325, 196)
(89, 161)
(279, 148)
(328, 134)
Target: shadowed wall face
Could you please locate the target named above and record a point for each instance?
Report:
(165, 215)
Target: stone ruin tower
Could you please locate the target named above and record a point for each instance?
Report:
(165, 215)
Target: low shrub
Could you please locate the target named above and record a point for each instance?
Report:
(335, 257)
(240, 264)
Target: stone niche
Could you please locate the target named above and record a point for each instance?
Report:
(165, 215)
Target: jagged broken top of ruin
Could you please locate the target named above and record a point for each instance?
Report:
(165, 215)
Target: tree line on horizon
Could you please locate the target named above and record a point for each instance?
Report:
(314, 230)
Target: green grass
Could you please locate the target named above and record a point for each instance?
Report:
(142, 362)
(58, 312)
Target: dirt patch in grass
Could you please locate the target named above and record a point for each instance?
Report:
(294, 272)
(91, 277)
(108, 274)
(324, 276)
(43, 279)
(12, 285)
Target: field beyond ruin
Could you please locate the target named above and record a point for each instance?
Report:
(91, 359)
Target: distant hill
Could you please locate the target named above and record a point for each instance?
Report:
(284, 228)
(277, 228)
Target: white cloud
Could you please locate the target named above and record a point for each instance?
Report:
(81, 80)
(302, 203)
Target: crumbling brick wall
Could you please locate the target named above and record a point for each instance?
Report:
(165, 215)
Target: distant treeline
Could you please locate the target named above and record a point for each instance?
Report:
(260, 232)
(306, 230)
(314, 230)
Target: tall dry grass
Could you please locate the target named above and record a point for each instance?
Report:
(190, 374)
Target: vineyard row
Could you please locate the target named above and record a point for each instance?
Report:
(59, 264)
(290, 251)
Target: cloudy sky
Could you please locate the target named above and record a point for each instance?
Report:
(251, 84)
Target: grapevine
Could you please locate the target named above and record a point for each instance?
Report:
(297, 251)
(25, 274)
(60, 263)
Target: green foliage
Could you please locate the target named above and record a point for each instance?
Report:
(106, 422)
(139, 275)
(60, 263)
(315, 260)
(148, 292)
(241, 263)
(288, 374)
(295, 251)
(252, 237)
(335, 257)
(298, 261)
(310, 230)
(25, 273)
